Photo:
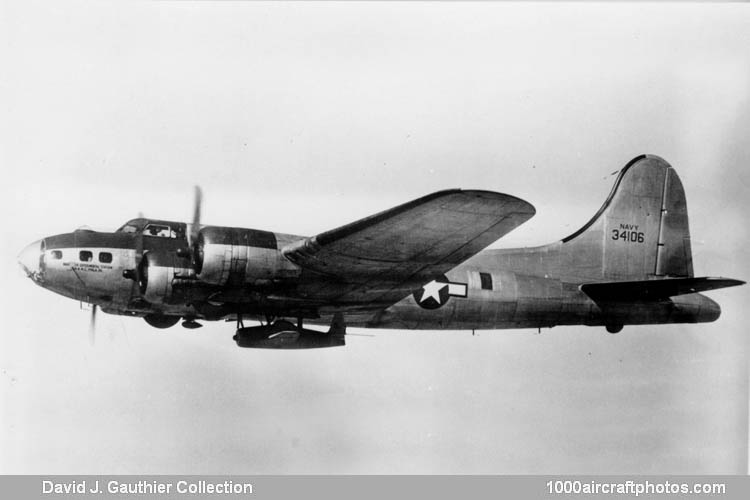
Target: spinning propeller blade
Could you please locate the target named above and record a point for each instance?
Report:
(92, 325)
(195, 228)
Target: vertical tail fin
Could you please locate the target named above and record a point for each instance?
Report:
(640, 232)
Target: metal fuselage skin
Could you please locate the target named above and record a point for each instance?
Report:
(639, 237)
(529, 290)
(521, 288)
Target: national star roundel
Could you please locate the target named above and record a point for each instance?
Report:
(437, 292)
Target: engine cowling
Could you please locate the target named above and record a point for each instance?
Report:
(223, 255)
(158, 276)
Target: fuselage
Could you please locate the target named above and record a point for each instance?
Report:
(496, 289)
(421, 265)
(525, 288)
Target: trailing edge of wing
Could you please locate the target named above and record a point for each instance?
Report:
(653, 290)
(447, 226)
(384, 257)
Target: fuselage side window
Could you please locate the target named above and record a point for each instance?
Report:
(486, 280)
(56, 254)
(105, 257)
(85, 256)
(159, 231)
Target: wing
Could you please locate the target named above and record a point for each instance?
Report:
(377, 261)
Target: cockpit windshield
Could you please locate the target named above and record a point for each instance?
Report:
(154, 228)
(159, 230)
(132, 226)
(128, 228)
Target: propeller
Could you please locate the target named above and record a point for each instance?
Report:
(195, 228)
(92, 324)
(193, 247)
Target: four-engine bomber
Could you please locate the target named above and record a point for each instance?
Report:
(416, 266)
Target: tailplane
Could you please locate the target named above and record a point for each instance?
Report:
(653, 290)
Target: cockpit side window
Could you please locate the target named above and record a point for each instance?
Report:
(128, 228)
(160, 231)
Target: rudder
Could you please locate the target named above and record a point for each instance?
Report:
(640, 232)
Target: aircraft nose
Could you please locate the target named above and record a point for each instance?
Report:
(30, 259)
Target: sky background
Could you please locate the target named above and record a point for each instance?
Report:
(301, 117)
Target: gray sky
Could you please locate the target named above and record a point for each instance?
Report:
(302, 117)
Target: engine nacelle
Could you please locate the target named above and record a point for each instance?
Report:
(240, 256)
(284, 335)
(159, 275)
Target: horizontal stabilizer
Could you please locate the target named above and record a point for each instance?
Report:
(653, 290)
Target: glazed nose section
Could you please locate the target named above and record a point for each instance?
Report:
(30, 259)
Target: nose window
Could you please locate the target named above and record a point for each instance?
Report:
(85, 256)
(56, 254)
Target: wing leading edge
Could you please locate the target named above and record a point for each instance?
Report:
(381, 259)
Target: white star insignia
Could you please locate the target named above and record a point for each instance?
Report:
(432, 289)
